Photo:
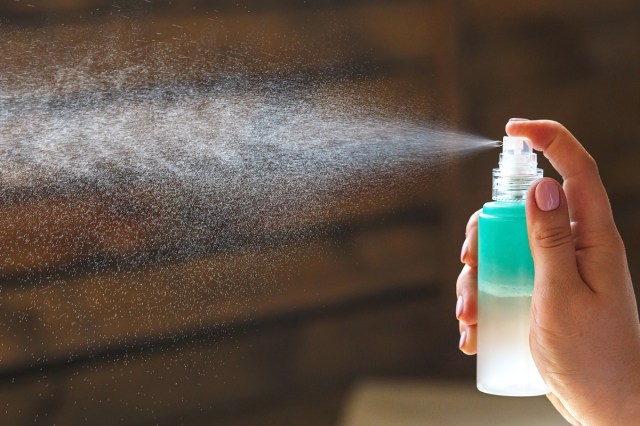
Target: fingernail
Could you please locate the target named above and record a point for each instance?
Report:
(518, 119)
(547, 196)
(459, 307)
(465, 249)
(463, 339)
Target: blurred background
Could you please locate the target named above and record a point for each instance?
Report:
(354, 318)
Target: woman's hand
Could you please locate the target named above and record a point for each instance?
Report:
(585, 335)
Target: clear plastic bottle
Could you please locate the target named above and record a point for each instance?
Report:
(505, 279)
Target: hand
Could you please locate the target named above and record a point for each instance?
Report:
(585, 335)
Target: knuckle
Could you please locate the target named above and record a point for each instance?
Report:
(553, 237)
(459, 283)
(472, 224)
(557, 126)
(466, 280)
(590, 164)
(460, 280)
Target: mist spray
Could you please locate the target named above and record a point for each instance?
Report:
(505, 278)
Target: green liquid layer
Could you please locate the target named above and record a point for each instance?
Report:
(505, 266)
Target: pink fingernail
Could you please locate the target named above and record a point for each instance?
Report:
(459, 307)
(465, 249)
(518, 119)
(463, 339)
(547, 196)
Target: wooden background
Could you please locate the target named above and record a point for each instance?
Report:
(279, 335)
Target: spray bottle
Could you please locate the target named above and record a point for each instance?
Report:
(505, 278)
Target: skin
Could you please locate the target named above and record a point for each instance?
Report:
(585, 334)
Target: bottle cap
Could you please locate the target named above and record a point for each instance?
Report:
(517, 169)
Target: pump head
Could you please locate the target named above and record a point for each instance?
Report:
(516, 145)
(517, 169)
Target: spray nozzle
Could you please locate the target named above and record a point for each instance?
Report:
(513, 145)
(517, 169)
(517, 155)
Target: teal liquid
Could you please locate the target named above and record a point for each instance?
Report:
(504, 256)
(505, 286)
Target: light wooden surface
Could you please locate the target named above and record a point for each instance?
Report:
(423, 403)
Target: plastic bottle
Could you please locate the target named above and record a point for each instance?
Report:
(505, 279)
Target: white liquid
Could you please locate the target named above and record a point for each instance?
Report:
(505, 365)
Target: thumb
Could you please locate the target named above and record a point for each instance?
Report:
(551, 242)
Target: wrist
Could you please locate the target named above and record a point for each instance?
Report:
(631, 407)
(630, 400)
(620, 405)
(623, 410)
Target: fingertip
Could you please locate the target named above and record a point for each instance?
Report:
(516, 127)
(467, 342)
(467, 296)
(463, 339)
(472, 223)
(540, 132)
(547, 194)
(464, 251)
(469, 252)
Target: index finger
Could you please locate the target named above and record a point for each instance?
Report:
(586, 195)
